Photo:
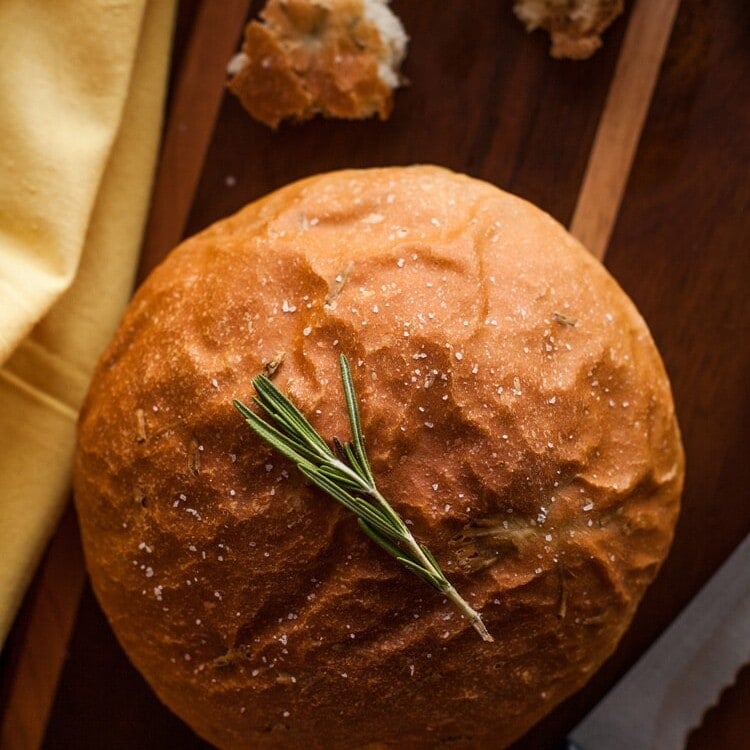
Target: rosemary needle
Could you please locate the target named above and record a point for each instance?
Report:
(346, 476)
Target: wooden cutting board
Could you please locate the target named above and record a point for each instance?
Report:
(643, 150)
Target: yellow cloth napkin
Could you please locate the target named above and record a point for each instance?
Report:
(81, 93)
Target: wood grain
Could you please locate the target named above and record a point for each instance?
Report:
(679, 249)
(195, 100)
(686, 221)
(485, 99)
(40, 640)
(622, 121)
(49, 616)
(103, 702)
(506, 141)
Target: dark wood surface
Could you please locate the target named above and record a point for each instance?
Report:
(486, 99)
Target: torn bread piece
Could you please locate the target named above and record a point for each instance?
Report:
(575, 26)
(338, 58)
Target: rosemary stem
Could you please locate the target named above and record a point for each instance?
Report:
(366, 488)
(346, 476)
(449, 590)
(471, 614)
(446, 587)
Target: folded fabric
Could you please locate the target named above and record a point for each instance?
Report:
(81, 95)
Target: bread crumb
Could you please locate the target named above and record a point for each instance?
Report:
(338, 58)
(575, 26)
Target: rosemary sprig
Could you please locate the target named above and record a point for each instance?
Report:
(346, 476)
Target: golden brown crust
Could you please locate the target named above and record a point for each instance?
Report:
(517, 414)
(575, 26)
(313, 57)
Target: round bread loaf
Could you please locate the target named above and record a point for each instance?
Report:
(516, 413)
